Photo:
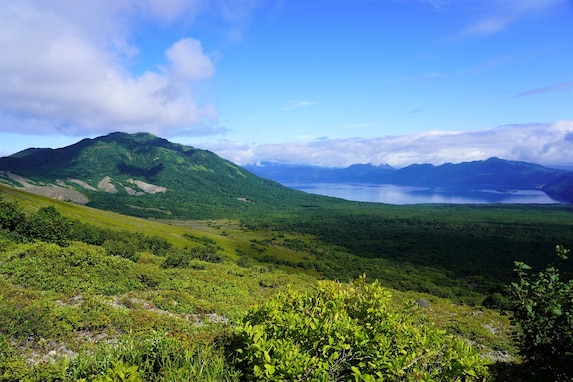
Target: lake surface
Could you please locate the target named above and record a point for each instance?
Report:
(392, 194)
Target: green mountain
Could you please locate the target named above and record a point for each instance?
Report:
(143, 175)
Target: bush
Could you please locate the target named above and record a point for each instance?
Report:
(543, 312)
(348, 332)
(11, 216)
(50, 226)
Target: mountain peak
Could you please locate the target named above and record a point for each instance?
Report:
(139, 137)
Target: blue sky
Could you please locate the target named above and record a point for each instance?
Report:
(324, 82)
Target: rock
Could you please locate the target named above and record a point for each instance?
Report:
(422, 303)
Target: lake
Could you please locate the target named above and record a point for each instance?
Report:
(392, 194)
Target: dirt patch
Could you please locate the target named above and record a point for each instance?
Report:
(81, 183)
(147, 187)
(50, 190)
(106, 186)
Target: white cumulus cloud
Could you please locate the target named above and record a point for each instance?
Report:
(188, 60)
(544, 143)
(64, 69)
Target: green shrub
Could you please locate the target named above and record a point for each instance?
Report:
(77, 268)
(50, 226)
(188, 257)
(348, 332)
(497, 301)
(11, 216)
(544, 314)
(120, 372)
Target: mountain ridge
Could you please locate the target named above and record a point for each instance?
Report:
(143, 175)
(493, 172)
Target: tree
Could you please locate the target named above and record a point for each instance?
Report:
(11, 216)
(543, 312)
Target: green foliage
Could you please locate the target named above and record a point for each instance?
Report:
(122, 248)
(11, 216)
(77, 268)
(544, 312)
(348, 332)
(461, 252)
(153, 357)
(50, 226)
(188, 258)
(120, 372)
(498, 301)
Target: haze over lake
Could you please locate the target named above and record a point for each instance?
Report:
(392, 194)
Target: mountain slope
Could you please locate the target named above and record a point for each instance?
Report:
(144, 175)
(285, 173)
(491, 172)
(561, 188)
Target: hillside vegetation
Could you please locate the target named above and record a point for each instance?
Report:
(81, 301)
(88, 293)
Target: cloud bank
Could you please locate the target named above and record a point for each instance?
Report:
(545, 143)
(65, 68)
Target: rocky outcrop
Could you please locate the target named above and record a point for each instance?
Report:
(147, 187)
(55, 191)
(106, 185)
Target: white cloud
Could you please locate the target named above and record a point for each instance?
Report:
(67, 69)
(188, 62)
(544, 143)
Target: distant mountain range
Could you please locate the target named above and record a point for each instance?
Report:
(490, 173)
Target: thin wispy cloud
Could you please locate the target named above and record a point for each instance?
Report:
(496, 16)
(293, 105)
(545, 143)
(546, 89)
